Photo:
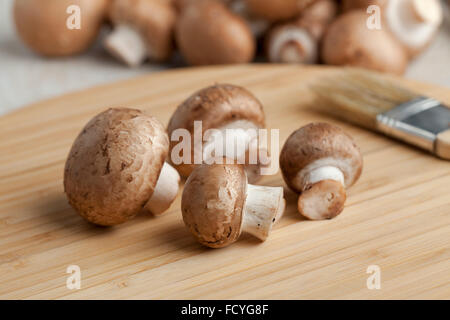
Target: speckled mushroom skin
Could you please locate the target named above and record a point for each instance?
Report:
(317, 141)
(114, 164)
(215, 106)
(212, 203)
(154, 19)
(41, 24)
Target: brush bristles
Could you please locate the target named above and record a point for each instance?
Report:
(359, 96)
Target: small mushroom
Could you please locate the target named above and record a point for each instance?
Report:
(218, 204)
(320, 162)
(142, 29)
(298, 41)
(276, 10)
(207, 32)
(116, 167)
(349, 42)
(42, 25)
(228, 110)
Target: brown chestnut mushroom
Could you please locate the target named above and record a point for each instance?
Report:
(298, 41)
(414, 23)
(142, 29)
(227, 110)
(42, 25)
(348, 41)
(207, 32)
(218, 205)
(276, 10)
(116, 167)
(320, 161)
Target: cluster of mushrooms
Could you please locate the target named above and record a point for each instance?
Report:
(206, 32)
(122, 164)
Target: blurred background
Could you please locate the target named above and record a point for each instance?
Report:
(27, 77)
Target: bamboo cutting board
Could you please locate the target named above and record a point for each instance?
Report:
(397, 216)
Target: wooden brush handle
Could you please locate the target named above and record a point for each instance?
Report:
(442, 147)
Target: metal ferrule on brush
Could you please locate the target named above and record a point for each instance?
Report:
(418, 122)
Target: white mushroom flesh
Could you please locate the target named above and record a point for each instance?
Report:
(263, 207)
(325, 169)
(127, 44)
(296, 35)
(235, 137)
(413, 22)
(165, 192)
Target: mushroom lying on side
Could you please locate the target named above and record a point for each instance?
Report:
(298, 41)
(414, 23)
(227, 110)
(348, 41)
(116, 167)
(142, 29)
(207, 32)
(42, 25)
(218, 205)
(320, 161)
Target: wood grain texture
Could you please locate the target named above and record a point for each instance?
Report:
(397, 216)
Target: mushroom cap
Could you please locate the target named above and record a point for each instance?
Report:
(153, 19)
(348, 41)
(207, 32)
(276, 10)
(114, 164)
(324, 142)
(42, 25)
(212, 203)
(215, 106)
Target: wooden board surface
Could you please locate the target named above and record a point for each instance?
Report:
(397, 216)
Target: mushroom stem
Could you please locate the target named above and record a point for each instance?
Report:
(263, 207)
(240, 144)
(323, 173)
(427, 11)
(323, 194)
(166, 190)
(127, 44)
(293, 45)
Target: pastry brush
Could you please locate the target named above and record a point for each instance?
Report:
(367, 99)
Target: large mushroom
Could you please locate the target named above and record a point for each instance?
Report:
(142, 29)
(207, 32)
(320, 161)
(348, 41)
(298, 41)
(42, 25)
(218, 204)
(116, 167)
(230, 113)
